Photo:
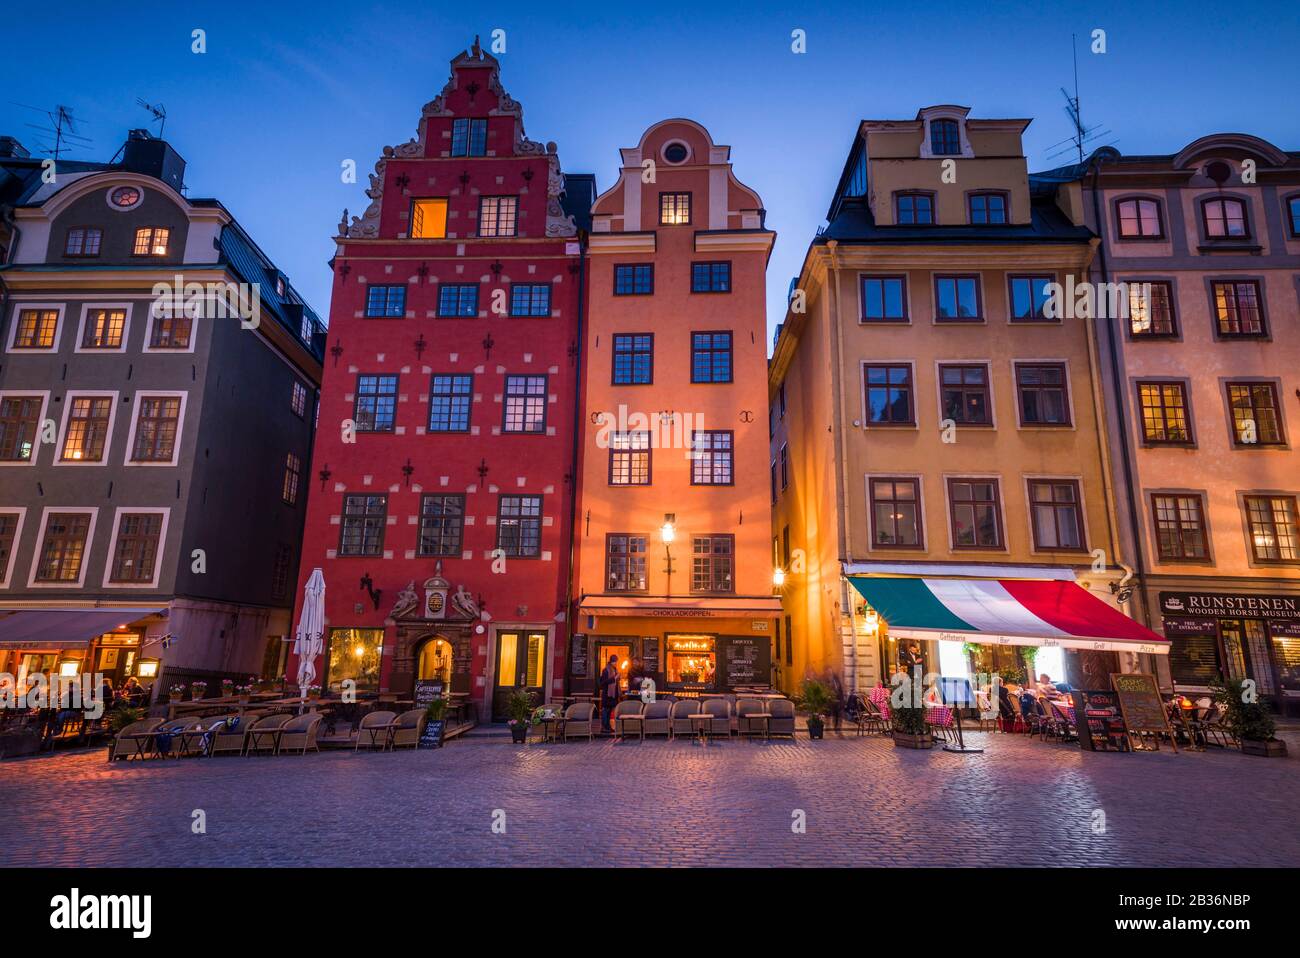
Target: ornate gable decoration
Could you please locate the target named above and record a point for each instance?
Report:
(437, 601)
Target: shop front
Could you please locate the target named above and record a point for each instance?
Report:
(68, 642)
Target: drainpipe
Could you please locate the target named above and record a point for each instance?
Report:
(575, 524)
(841, 454)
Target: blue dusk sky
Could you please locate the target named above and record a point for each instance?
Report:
(286, 92)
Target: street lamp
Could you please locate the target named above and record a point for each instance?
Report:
(778, 577)
(668, 532)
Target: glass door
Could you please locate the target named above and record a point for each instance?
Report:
(1245, 649)
(521, 664)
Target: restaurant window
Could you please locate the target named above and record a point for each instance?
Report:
(713, 563)
(975, 515)
(674, 209)
(442, 524)
(1029, 296)
(625, 562)
(156, 423)
(530, 299)
(1225, 218)
(429, 219)
(136, 551)
(1057, 514)
(896, 513)
(375, 407)
(711, 277)
(292, 476)
(884, 299)
(386, 301)
(945, 138)
(957, 299)
(1151, 309)
(1165, 419)
(525, 402)
(1139, 219)
(519, 526)
(629, 459)
(988, 209)
(458, 299)
(964, 391)
(634, 359)
(354, 655)
(449, 402)
(692, 660)
(362, 525)
(170, 332)
(1238, 309)
(87, 430)
(1272, 523)
(496, 215)
(469, 136)
(19, 423)
(83, 241)
(1256, 419)
(1044, 397)
(889, 395)
(634, 279)
(1180, 526)
(711, 357)
(298, 399)
(63, 547)
(36, 329)
(280, 569)
(914, 209)
(712, 457)
(151, 241)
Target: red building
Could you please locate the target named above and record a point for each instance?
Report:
(441, 496)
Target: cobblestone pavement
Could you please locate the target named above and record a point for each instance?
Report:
(659, 803)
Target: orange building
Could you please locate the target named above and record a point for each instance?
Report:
(673, 562)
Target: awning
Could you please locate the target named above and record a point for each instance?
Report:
(717, 607)
(1004, 612)
(63, 628)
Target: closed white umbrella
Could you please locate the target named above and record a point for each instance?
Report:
(309, 640)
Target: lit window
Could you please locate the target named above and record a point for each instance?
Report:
(429, 219)
(103, 329)
(625, 563)
(713, 563)
(19, 422)
(292, 475)
(151, 241)
(895, 513)
(36, 328)
(1164, 413)
(87, 430)
(1237, 309)
(170, 332)
(298, 399)
(1150, 309)
(155, 429)
(1272, 520)
(1256, 419)
(136, 551)
(674, 209)
(63, 547)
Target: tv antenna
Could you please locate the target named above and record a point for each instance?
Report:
(1083, 135)
(63, 127)
(159, 113)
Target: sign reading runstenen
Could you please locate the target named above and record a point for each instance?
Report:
(1229, 605)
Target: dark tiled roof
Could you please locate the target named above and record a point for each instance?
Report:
(579, 194)
(855, 224)
(246, 260)
(20, 178)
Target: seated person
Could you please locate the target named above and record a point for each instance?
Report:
(1046, 686)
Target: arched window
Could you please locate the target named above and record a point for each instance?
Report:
(1139, 219)
(1225, 218)
(944, 139)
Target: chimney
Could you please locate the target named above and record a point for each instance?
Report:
(152, 157)
(11, 149)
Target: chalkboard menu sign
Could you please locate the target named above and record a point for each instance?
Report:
(746, 660)
(426, 690)
(1286, 653)
(1100, 721)
(578, 655)
(431, 737)
(1140, 703)
(650, 655)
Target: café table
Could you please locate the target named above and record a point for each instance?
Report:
(552, 727)
(701, 725)
(763, 719)
(637, 720)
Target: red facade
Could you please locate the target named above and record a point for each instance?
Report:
(450, 383)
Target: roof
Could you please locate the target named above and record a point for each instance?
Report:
(249, 263)
(855, 224)
(578, 196)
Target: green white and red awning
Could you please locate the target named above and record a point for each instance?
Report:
(1004, 612)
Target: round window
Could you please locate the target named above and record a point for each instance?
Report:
(676, 152)
(124, 197)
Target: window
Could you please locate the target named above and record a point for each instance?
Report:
(156, 423)
(20, 420)
(363, 522)
(8, 535)
(64, 547)
(964, 393)
(896, 513)
(976, 519)
(449, 402)
(531, 299)
(1151, 309)
(1180, 526)
(1237, 309)
(1056, 515)
(780, 392)
(957, 299)
(625, 563)
(458, 299)
(713, 563)
(674, 209)
(711, 277)
(442, 524)
(468, 136)
(712, 457)
(710, 357)
(83, 241)
(525, 404)
(36, 328)
(785, 465)
(103, 329)
(87, 430)
(884, 299)
(1165, 420)
(170, 332)
(1293, 215)
(151, 241)
(676, 152)
(987, 209)
(634, 359)
(1044, 399)
(386, 301)
(298, 399)
(1140, 219)
(789, 641)
(1256, 419)
(292, 475)
(355, 654)
(519, 526)
(1029, 295)
(785, 547)
(428, 219)
(496, 215)
(280, 569)
(136, 551)
(914, 209)
(629, 459)
(1225, 218)
(124, 197)
(634, 279)
(889, 395)
(1272, 523)
(945, 139)
(375, 406)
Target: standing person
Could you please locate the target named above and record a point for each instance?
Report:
(106, 694)
(608, 693)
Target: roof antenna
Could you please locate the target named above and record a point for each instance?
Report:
(63, 127)
(1082, 135)
(159, 114)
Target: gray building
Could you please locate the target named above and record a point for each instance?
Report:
(154, 434)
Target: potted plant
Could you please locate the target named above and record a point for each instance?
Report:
(815, 699)
(176, 693)
(519, 706)
(909, 727)
(313, 693)
(227, 688)
(1250, 721)
(198, 689)
(244, 693)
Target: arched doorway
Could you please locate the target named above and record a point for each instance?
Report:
(433, 661)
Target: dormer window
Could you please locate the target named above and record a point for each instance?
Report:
(279, 286)
(151, 241)
(468, 137)
(945, 139)
(1225, 218)
(988, 209)
(83, 241)
(914, 209)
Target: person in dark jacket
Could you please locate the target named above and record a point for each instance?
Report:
(608, 693)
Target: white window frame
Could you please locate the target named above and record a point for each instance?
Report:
(165, 512)
(18, 308)
(164, 350)
(81, 328)
(40, 423)
(1027, 480)
(6, 574)
(135, 419)
(93, 512)
(68, 397)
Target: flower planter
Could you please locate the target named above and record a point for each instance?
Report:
(176, 697)
(1273, 748)
(816, 728)
(519, 734)
(907, 740)
(244, 699)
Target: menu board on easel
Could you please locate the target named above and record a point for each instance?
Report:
(650, 654)
(1100, 721)
(1141, 705)
(578, 655)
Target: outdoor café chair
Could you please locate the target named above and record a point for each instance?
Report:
(744, 709)
(374, 730)
(233, 736)
(579, 720)
(658, 720)
(265, 732)
(720, 709)
(782, 721)
(680, 723)
(622, 710)
(126, 743)
(410, 726)
(299, 733)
